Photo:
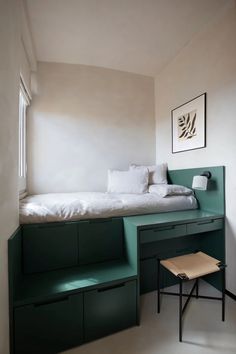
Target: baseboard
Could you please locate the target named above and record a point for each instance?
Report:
(233, 296)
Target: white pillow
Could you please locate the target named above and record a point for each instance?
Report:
(133, 181)
(157, 173)
(164, 190)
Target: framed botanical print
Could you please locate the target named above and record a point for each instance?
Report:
(189, 125)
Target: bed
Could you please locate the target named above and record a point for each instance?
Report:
(54, 207)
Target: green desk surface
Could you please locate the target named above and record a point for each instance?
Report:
(176, 217)
(43, 286)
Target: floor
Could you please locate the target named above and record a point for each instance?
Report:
(204, 332)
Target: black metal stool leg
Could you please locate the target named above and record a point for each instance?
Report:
(180, 309)
(158, 286)
(223, 294)
(197, 287)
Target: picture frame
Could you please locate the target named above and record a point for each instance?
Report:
(188, 125)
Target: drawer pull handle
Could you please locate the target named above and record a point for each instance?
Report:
(39, 304)
(48, 226)
(111, 287)
(98, 221)
(164, 228)
(184, 250)
(205, 222)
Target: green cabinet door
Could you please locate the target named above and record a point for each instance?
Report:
(100, 240)
(49, 246)
(49, 328)
(110, 309)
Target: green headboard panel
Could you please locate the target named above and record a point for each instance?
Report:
(211, 200)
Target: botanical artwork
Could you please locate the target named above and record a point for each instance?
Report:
(188, 125)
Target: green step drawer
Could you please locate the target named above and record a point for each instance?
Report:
(100, 240)
(109, 309)
(204, 226)
(49, 328)
(49, 246)
(162, 233)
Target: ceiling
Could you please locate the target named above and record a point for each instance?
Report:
(139, 36)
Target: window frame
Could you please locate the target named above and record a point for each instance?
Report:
(24, 102)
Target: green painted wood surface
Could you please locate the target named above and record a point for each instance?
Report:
(28, 289)
(14, 273)
(14, 261)
(46, 246)
(162, 233)
(213, 199)
(172, 234)
(110, 310)
(165, 248)
(204, 226)
(148, 275)
(50, 246)
(100, 240)
(131, 245)
(35, 287)
(132, 256)
(175, 217)
(49, 328)
(149, 252)
(213, 243)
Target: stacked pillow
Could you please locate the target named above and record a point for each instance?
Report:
(137, 179)
(157, 173)
(142, 179)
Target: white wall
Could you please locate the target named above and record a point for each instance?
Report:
(85, 120)
(207, 64)
(9, 84)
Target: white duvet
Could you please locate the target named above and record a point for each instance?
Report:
(86, 205)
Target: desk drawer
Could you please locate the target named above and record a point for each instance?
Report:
(204, 226)
(162, 233)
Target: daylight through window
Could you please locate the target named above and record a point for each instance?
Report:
(23, 103)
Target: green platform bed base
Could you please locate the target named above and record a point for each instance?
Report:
(73, 282)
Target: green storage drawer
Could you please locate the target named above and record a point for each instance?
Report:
(204, 226)
(100, 240)
(49, 328)
(162, 233)
(110, 309)
(49, 246)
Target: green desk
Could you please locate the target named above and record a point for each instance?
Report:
(172, 234)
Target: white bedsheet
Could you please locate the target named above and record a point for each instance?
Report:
(85, 205)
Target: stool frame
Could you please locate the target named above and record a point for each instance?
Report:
(182, 278)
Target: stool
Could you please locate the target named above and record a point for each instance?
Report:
(188, 267)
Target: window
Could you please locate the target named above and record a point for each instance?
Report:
(24, 101)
